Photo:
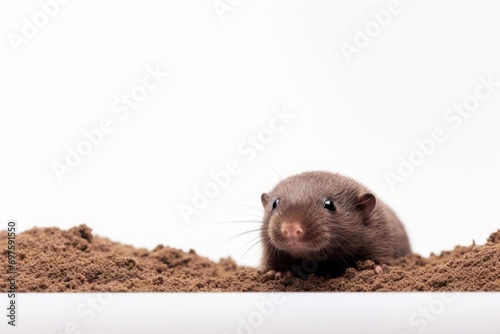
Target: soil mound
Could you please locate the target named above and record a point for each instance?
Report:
(53, 260)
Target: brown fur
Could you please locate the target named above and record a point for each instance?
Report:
(361, 228)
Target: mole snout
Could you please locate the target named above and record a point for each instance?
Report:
(291, 230)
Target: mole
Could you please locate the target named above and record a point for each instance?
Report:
(323, 223)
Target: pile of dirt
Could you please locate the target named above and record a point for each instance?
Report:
(52, 260)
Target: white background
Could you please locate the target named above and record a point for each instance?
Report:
(225, 78)
(228, 313)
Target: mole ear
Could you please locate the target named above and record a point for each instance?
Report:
(366, 202)
(264, 198)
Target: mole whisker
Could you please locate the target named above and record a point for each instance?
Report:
(238, 221)
(241, 234)
(253, 245)
(261, 210)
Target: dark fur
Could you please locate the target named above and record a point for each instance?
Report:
(361, 228)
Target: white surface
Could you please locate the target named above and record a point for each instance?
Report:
(225, 78)
(402, 313)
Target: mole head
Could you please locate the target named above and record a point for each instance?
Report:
(315, 212)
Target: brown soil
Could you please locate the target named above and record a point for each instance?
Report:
(52, 260)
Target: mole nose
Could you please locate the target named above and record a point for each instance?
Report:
(291, 230)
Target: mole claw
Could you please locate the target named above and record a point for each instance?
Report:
(286, 275)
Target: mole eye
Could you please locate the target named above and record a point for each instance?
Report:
(275, 203)
(329, 205)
